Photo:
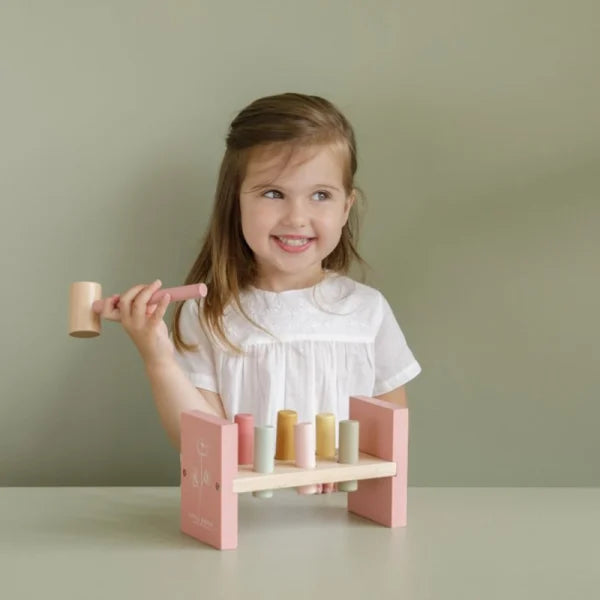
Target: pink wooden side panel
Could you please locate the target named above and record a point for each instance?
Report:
(209, 508)
(383, 432)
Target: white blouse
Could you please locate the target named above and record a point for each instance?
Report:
(336, 339)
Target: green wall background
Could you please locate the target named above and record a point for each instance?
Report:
(479, 148)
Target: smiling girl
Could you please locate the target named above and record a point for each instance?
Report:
(282, 326)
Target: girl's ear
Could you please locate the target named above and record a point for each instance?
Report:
(349, 202)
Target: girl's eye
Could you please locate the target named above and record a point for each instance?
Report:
(319, 196)
(322, 195)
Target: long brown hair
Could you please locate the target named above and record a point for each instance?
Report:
(226, 263)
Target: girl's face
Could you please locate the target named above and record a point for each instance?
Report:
(293, 213)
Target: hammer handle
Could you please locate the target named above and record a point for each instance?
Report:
(182, 292)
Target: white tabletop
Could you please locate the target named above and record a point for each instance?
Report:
(463, 543)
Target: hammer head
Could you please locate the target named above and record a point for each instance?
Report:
(83, 321)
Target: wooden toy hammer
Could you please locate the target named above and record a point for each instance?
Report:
(86, 304)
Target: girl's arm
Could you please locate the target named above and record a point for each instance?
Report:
(174, 393)
(397, 396)
(172, 390)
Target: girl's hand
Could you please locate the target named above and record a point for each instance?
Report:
(326, 488)
(143, 323)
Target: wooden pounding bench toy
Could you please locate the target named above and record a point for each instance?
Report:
(221, 459)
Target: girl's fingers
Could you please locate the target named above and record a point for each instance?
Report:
(109, 311)
(160, 309)
(140, 302)
(134, 310)
(126, 299)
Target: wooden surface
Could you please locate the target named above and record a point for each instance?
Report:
(460, 543)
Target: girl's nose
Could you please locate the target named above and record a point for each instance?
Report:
(296, 214)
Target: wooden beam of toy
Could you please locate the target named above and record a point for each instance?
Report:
(86, 304)
(287, 475)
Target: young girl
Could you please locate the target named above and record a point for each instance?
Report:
(282, 326)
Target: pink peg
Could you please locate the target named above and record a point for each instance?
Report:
(245, 422)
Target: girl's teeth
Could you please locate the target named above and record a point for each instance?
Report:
(294, 241)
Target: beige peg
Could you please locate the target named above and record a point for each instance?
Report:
(326, 435)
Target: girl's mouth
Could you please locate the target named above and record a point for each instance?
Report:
(293, 244)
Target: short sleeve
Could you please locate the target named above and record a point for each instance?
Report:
(395, 364)
(198, 364)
